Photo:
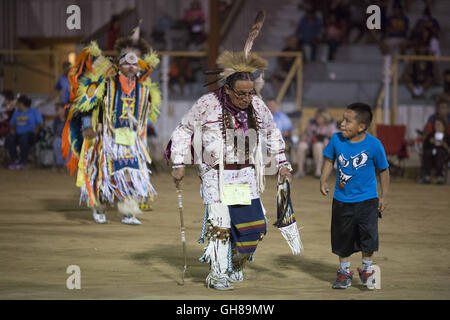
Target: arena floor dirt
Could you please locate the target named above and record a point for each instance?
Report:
(43, 231)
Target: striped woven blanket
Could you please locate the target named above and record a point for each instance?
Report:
(247, 224)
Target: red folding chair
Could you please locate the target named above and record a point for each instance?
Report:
(393, 139)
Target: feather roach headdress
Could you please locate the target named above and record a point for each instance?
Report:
(147, 58)
(243, 61)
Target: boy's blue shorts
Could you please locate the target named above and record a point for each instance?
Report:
(354, 227)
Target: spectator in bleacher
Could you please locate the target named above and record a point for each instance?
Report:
(357, 9)
(62, 86)
(195, 18)
(426, 32)
(58, 127)
(25, 125)
(420, 75)
(282, 121)
(284, 63)
(6, 111)
(436, 151)
(62, 89)
(309, 31)
(314, 139)
(341, 10)
(334, 35)
(397, 27)
(159, 31)
(113, 32)
(443, 111)
(224, 9)
(429, 22)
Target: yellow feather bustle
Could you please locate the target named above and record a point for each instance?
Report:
(155, 95)
(93, 49)
(151, 59)
(92, 86)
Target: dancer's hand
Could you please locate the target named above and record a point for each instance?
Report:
(178, 175)
(285, 174)
(88, 133)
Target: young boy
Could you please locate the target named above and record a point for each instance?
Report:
(356, 205)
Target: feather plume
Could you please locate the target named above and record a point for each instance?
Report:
(151, 59)
(237, 62)
(254, 31)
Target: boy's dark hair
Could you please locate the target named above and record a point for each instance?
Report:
(363, 113)
(8, 94)
(24, 100)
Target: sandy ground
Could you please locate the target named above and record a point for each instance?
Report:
(43, 231)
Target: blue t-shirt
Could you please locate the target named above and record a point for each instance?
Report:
(63, 84)
(26, 121)
(282, 121)
(356, 162)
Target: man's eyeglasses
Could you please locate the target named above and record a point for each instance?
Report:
(242, 95)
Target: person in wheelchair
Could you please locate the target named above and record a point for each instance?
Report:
(436, 151)
(25, 124)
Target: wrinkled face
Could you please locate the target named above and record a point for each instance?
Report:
(242, 93)
(350, 126)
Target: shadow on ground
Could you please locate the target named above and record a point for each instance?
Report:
(173, 256)
(318, 269)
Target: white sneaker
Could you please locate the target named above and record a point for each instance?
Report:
(134, 220)
(130, 220)
(99, 217)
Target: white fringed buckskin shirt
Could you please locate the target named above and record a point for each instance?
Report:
(201, 128)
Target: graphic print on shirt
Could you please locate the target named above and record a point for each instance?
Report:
(358, 161)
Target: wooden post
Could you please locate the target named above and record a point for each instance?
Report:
(395, 93)
(300, 82)
(213, 38)
(288, 80)
(56, 66)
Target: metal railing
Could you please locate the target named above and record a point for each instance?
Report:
(393, 78)
(55, 59)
